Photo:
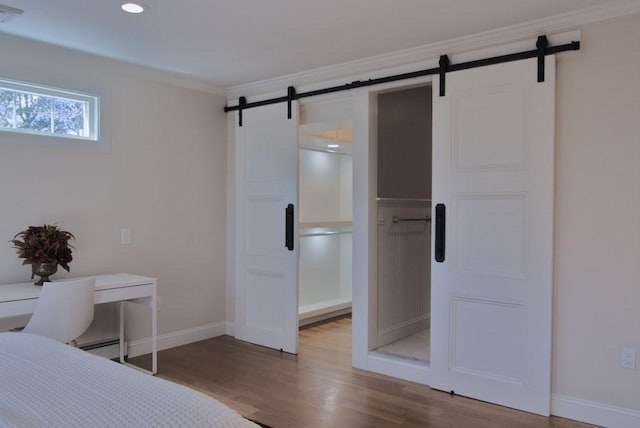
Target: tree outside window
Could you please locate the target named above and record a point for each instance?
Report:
(39, 110)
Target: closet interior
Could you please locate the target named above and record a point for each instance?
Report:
(404, 224)
(325, 215)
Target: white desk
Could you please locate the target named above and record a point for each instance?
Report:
(20, 299)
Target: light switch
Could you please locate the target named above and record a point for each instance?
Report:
(125, 236)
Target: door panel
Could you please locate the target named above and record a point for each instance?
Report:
(491, 296)
(475, 115)
(266, 271)
(497, 248)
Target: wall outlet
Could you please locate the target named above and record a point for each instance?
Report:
(125, 236)
(628, 358)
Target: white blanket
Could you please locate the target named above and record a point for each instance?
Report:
(46, 384)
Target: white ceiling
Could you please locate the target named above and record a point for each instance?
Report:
(231, 42)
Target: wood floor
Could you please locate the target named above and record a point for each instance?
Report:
(319, 388)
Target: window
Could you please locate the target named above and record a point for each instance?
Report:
(31, 109)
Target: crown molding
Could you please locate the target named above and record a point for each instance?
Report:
(514, 33)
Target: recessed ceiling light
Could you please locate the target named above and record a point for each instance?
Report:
(134, 7)
(333, 146)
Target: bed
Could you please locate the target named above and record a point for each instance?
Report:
(46, 383)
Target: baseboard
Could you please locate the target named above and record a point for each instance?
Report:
(400, 331)
(306, 319)
(594, 413)
(323, 307)
(177, 338)
(230, 328)
(397, 367)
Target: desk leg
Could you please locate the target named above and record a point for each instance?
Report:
(121, 307)
(154, 334)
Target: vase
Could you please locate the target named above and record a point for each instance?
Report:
(43, 270)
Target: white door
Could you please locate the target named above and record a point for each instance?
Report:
(266, 311)
(493, 154)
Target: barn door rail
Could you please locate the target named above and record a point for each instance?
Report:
(542, 49)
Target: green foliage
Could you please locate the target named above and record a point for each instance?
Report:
(44, 244)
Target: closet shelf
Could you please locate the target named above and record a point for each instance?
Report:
(316, 224)
(326, 228)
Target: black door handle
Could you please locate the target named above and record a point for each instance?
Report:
(288, 233)
(440, 232)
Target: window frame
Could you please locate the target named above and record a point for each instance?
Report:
(95, 141)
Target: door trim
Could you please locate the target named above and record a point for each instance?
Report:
(365, 222)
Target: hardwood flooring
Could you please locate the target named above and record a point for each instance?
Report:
(319, 388)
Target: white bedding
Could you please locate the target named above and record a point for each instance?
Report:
(44, 383)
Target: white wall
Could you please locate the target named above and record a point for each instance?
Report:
(404, 143)
(164, 177)
(324, 274)
(325, 186)
(597, 239)
(404, 271)
(325, 195)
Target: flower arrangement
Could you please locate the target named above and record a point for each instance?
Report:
(44, 244)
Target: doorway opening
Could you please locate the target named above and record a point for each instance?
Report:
(325, 193)
(404, 122)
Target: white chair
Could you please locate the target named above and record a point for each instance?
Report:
(64, 310)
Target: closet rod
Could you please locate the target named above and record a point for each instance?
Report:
(402, 200)
(398, 219)
(542, 50)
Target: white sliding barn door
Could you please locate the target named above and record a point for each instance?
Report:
(266, 311)
(493, 154)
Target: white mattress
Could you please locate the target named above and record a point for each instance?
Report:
(44, 383)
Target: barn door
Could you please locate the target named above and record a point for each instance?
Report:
(266, 311)
(493, 154)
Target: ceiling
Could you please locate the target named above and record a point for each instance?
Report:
(332, 137)
(230, 42)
